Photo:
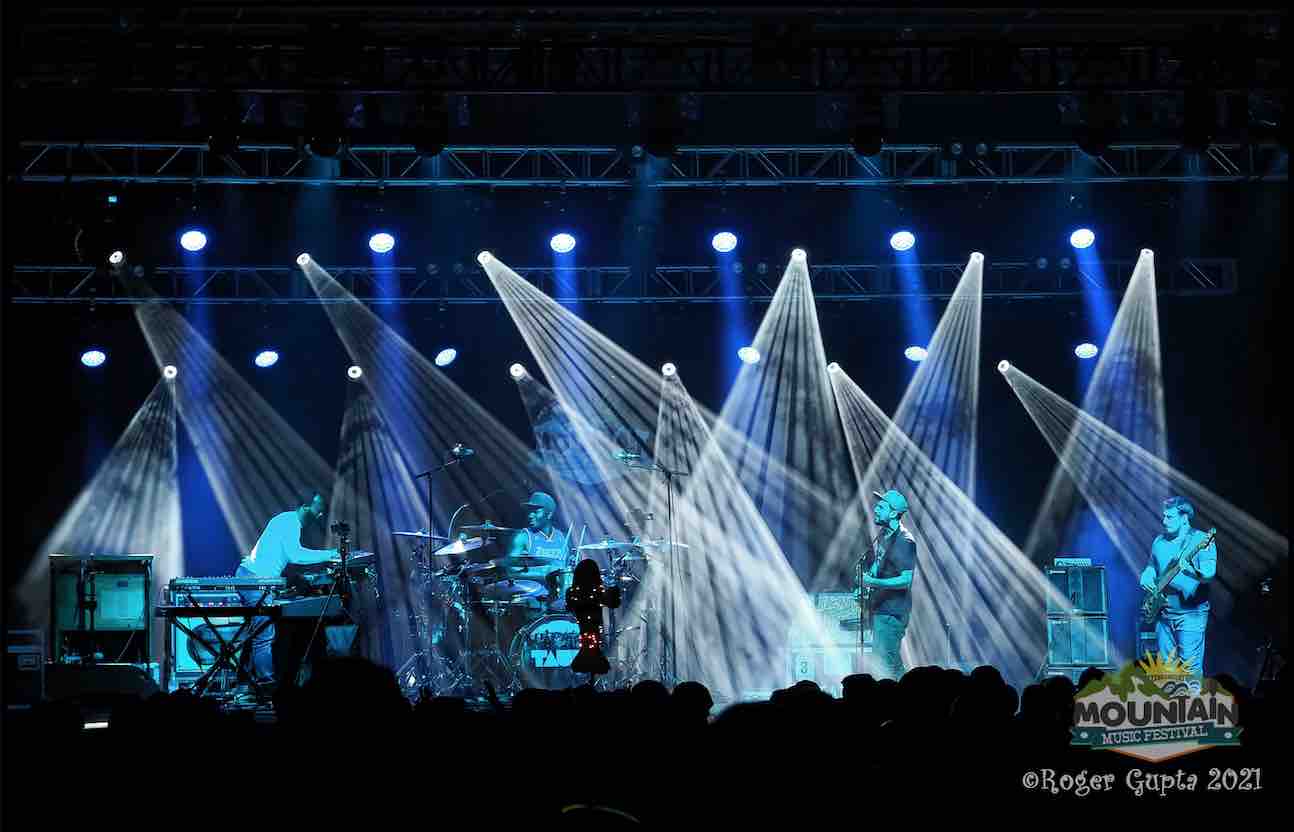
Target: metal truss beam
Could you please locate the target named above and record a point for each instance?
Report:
(1018, 280)
(611, 167)
(302, 62)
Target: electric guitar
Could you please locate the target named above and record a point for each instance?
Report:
(865, 592)
(1153, 602)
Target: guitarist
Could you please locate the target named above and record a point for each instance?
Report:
(885, 584)
(1185, 615)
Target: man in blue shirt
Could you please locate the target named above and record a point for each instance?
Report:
(1185, 616)
(889, 577)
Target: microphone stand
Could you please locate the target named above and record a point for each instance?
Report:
(669, 655)
(430, 473)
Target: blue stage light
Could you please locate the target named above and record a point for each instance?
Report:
(266, 358)
(562, 243)
(381, 242)
(915, 353)
(902, 240)
(93, 358)
(354, 372)
(193, 240)
(748, 355)
(1086, 350)
(724, 242)
(1082, 238)
(446, 357)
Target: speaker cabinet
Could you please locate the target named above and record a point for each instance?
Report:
(121, 586)
(1081, 590)
(1078, 641)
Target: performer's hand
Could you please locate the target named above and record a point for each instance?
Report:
(869, 580)
(1185, 561)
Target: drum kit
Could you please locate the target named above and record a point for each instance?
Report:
(483, 624)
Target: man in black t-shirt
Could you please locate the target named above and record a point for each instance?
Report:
(889, 577)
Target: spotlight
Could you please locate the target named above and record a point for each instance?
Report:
(981, 149)
(169, 372)
(1082, 238)
(1145, 252)
(446, 357)
(517, 371)
(977, 257)
(724, 242)
(1003, 366)
(117, 257)
(833, 367)
(1086, 351)
(798, 254)
(381, 242)
(917, 354)
(1041, 263)
(738, 268)
(302, 259)
(484, 257)
(354, 372)
(762, 268)
(748, 355)
(266, 358)
(561, 243)
(93, 358)
(1065, 263)
(137, 270)
(193, 240)
(902, 240)
(668, 370)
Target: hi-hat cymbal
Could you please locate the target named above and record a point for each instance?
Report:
(487, 526)
(604, 545)
(420, 535)
(662, 543)
(460, 547)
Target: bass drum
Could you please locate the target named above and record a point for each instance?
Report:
(543, 650)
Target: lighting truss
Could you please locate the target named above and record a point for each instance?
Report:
(1018, 280)
(718, 166)
(178, 59)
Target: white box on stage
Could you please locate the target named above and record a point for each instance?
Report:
(825, 665)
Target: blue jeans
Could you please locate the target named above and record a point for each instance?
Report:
(262, 644)
(1181, 632)
(887, 639)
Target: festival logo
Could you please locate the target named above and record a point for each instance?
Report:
(1155, 709)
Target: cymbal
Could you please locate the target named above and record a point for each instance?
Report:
(662, 543)
(604, 545)
(459, 547)
(420, 535)
(487, 526)
(355, 559)
(526, 561)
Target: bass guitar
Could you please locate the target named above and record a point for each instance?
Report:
(1153, 602)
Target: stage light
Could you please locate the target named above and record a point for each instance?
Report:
(381, 243)
(748, 355)
(902, 240)
(798, 254)
(117, 257)
(93, 358)
(446, 357)
(1082, 238)
(354, 372)
(484, 257)
(112, 199)
(1065, 263)
(1145, 252)
(266, 358)
(169, 372)
(668, 370)
(1003, 366)
(193, 240)
(977, 257)
(724, 242)
(561, 243)
(302, 259)
(915, 353)
(517, 371)
(833, 367)
(1086, 350)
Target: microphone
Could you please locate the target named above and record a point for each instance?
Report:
(627, 456)
(461, 452)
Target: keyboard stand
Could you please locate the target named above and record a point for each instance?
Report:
(227, 654)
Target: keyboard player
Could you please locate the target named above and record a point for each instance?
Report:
(279, 545)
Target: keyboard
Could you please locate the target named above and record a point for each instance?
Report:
(325, 605)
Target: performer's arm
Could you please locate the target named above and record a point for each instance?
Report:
(1148, 574)
(1204, 566)
(903, 580)
(301, 555)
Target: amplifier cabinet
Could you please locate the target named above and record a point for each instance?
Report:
(24, 669)
(1078, 640)
(1081, 590)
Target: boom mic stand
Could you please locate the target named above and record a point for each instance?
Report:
(420, 656)
(669, 655)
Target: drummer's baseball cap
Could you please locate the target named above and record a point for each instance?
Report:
(895, 500)
(541, 500)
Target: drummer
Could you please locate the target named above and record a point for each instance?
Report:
(540, 539)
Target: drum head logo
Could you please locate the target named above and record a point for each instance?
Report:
(1155, 709)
